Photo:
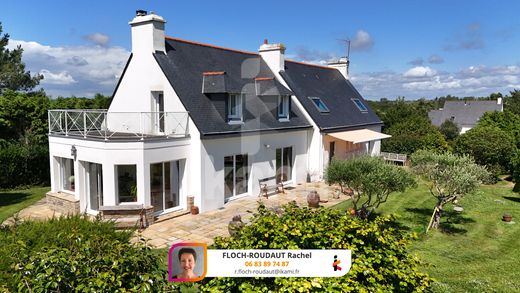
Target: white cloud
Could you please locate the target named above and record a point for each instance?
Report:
(362, 42)
(420, 71)
(477, 80)
(74, 70)
(56, 78)
(98, 38)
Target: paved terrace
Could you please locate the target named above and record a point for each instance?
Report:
(205, 226)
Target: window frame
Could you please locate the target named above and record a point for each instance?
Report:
(239, 106)
(284, 105)
(361, 107)
(316, 100)
(118, 187)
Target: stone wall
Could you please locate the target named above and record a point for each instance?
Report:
(127, 216)
(63, 203)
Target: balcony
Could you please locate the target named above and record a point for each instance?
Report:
(106, 125)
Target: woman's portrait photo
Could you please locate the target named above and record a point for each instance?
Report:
(187, 263)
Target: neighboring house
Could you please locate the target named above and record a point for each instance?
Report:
(198, 124)
(464, 113)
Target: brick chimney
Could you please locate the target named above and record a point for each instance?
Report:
(147, 33)
(273, 55)
(341, 65)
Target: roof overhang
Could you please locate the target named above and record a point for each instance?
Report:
(359, 136)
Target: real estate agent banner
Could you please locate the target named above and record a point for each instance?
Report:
(278, 263)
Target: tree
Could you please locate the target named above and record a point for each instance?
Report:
(451, 177)
(382, 262)
(489, 146)
(512, 102)
(449, 129)
(371, 179)
(23, 117)
(413, 134)
(506, 121)
(12, 70)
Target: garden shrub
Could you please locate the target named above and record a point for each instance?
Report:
(489, 146)
(76, 254)
(380, 259)
(371, 179)
(23, 165)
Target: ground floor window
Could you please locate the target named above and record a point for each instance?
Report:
(236, 175)
(126, 183)
(284, 164)
(164, 185)
(67, 178)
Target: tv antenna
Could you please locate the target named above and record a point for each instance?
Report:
(346, 42)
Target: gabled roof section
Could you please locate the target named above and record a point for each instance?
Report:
(187, 63)
(309, 81)
(463, 112)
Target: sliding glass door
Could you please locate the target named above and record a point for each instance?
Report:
(164, 185)
(94, 185)
(284, 164)
(236, 175)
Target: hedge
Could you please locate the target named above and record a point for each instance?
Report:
(23, 165)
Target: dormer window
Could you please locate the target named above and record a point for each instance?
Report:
(359, 105)
(283, 108)
(320, 105)
(234, 108)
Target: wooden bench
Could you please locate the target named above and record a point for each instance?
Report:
(269, 184)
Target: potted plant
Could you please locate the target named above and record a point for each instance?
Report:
(507, 218)
(71, 181)
(133, 191)
(313, 199)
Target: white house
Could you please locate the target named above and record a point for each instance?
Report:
(191, 121)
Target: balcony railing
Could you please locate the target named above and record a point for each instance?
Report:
(102, 124)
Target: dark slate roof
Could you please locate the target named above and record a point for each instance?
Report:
(334, 90)
(184, 65)
(463, 113)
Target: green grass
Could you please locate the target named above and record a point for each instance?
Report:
(473, 251)
(12, 201)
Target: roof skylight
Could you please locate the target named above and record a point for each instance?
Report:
(360, 105)
(320, 105)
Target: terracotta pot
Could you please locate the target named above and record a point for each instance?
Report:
(507, 218)
(313, 199)
(352, 211)
(235, 225)
(194, 210)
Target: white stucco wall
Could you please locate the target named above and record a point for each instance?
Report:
(262, 161)
(109, 154)
(143, 76)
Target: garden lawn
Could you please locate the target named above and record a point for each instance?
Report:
(473, 251)
(12, 201)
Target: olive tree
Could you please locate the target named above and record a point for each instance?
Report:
(371, 179)
(451, 176)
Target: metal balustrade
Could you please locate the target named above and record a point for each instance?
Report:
(102, 124)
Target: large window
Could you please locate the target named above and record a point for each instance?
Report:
(236, 175)
(164, 185)
(67, 179)
(158, 107)
(126, 183)
(284, 164)
(283, 107)
(234, 108)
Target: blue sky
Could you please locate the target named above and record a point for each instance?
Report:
(399, 48)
